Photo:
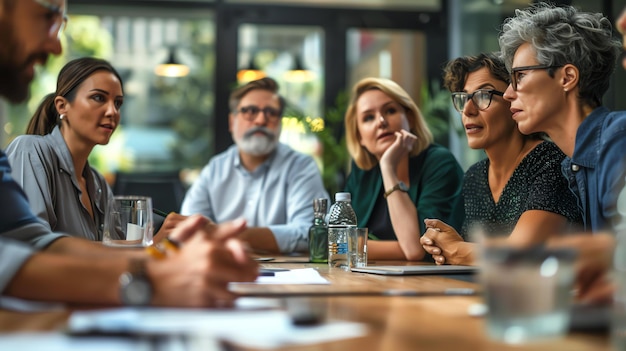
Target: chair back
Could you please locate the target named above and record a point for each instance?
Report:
(165, 188)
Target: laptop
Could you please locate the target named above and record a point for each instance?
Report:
(416, 270)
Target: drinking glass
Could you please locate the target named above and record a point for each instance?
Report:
(527, 292)
(357, 247)
(128, 222)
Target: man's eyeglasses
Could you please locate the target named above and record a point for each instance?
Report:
(481, 99)
(249, 113)
(515, 72)
(60, 18)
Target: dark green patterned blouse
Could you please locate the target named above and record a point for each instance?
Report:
(536, 184)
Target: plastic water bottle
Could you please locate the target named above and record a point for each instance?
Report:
(340, 219)
(318, 233)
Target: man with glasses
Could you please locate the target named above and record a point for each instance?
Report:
(36, 264)
(266, 182)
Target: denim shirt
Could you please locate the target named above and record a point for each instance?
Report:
(21, 232)
(597, 169)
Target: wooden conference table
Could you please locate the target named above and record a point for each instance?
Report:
(393, 322)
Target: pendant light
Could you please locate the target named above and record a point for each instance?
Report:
(299, 74)
(250, 72)
(172, 67)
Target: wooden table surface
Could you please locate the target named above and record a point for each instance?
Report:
(393, 322)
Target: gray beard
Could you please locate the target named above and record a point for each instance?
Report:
(257, 145)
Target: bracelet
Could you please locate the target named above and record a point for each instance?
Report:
(160, 249)
(400, 186)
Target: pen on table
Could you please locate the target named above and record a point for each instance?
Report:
(156, 211)
(270, 272)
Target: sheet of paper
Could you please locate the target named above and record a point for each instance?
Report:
(258, 329)
(294, 276)
(134, 232)
(62, 342)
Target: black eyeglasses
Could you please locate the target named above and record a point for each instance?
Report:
(249, 113)
(481, 99)
(515, 72)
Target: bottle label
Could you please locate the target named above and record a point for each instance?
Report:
(337, 248)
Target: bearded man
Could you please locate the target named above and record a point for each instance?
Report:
(260, 179)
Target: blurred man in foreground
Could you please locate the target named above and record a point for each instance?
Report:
(74, 270)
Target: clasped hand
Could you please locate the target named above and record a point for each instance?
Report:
(209, 259)
(442, 242)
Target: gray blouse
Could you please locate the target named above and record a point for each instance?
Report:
(43, 166)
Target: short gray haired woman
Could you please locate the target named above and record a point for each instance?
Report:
(561, 60)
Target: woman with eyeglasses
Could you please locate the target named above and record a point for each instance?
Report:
(561, 61)
(518, 190)
(399, 177)
(50, 162)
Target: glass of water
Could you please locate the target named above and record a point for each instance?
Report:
(357, 247)
(128, 222)
(527, 292)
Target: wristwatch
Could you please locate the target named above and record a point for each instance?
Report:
(135, 286)
(400, 186)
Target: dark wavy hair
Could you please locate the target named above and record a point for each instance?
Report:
(456, 71)
(72, 75)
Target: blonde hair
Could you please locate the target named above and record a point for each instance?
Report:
(417, 125)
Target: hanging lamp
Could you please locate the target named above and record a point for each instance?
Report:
(172, 67)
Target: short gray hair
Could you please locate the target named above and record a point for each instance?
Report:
(562, 35)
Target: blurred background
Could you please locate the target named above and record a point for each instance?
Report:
(175, 118)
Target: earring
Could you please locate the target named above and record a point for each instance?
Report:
(61, 117)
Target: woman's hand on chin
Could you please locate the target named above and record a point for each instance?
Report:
(400, 148)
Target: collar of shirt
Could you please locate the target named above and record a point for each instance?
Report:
(588, 141)
(262, 168)
(67, 165)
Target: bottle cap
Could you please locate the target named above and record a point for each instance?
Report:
(320, 205)
(343, 197)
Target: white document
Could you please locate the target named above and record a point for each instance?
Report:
(257, 329)
(294, 276)
(62, 342)
(134, 232)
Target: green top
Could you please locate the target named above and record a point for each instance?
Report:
(435, 188)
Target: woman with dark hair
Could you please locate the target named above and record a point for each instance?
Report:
(50, 162)
(399, 176)
(517, 192)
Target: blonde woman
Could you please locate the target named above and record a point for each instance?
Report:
(399, 177)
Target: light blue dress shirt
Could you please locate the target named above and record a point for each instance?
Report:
(278, 194)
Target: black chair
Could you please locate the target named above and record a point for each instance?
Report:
(165, 188)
